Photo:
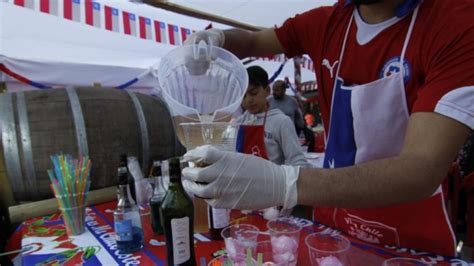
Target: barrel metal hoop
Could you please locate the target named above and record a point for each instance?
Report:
(10, 145)
(79, 123)
(143, 130)
(30, 182)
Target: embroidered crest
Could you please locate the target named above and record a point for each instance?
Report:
(392, 66)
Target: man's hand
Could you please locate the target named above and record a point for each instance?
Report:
(214, 37)
(239, 181)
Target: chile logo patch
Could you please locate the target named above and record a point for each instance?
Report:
(393, 66)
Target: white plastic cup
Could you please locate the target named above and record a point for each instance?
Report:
(238, 239)
(326, 249)
(74, 219)
(285, 237)
(264, 254)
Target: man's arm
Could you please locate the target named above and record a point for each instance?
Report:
(244, 43)
(431, 144)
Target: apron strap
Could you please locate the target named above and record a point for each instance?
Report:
(408, 37)
(337, 72)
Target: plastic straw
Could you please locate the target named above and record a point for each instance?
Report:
(249, 257)
(70, 182)
(259, 259)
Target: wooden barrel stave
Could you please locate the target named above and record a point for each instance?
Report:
(111, 125)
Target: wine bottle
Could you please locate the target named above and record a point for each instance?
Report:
(218, 219)
(158, 195)
(176, 214)
(127, 222)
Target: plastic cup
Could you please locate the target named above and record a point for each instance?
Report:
(238, 239)
(284, 236)
(221, 135)
(264, 254)
(74, 219)
(403, 262)
(327, 250)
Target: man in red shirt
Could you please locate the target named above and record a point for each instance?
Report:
(397, 100)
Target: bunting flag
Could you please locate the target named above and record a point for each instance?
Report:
(72, 10)
(185, 33)
(173, 32)
(25, 3)
(133, 24)
(111, 18)
(49, 6)
(160, 32)
(145, 28)
(129, 23)
(92, 13)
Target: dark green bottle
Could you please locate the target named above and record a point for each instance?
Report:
(177, 214)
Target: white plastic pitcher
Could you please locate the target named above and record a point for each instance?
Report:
(203, 87)
(202, 83)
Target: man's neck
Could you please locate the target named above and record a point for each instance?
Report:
(379, 12)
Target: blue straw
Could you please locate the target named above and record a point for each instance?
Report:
(203, 261)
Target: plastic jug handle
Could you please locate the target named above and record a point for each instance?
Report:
(202, 49)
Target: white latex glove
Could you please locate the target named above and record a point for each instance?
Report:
(199, 60)
(215, 37)
(239, 181)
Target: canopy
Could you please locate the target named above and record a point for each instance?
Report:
(85, 42)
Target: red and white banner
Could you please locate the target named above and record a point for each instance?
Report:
(93, 13)
(72, 10)
(49, 6)
(173, 33)
(111, 18)
(145, 28)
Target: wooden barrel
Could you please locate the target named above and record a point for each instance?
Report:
(101, 123)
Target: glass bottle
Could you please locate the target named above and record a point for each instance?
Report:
(130, 180)
(218, 219)
(159, 193)
(127, 223)
(177, 213)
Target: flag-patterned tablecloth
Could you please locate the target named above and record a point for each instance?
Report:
(50, 245)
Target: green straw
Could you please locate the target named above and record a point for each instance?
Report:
(259, 259)
(249, 257)
(227, 262)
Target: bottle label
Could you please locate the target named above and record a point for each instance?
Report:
(181, 241)
(220, 218)
(122, 170)
(123, 230)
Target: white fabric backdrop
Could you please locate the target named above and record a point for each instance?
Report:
(52, 50)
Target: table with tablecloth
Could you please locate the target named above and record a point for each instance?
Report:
(48, 244)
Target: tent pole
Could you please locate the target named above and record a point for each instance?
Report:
(164, 4)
